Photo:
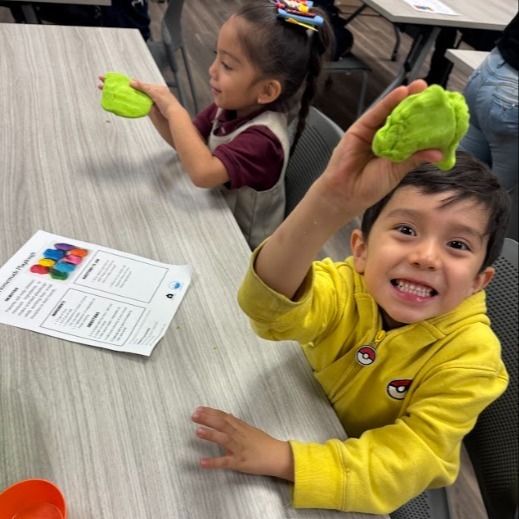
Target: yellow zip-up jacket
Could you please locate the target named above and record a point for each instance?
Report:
(406, 397)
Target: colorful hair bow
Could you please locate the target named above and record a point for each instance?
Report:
(299, 13)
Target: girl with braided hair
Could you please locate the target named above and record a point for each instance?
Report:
(265, 73)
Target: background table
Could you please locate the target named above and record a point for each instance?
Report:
(474, 14)
(114, 430)
(465, 59)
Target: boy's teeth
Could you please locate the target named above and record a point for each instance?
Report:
(411, 288)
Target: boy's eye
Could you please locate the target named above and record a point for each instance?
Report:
(457, 244)
(405, 229)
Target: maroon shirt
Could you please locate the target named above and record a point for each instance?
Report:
(254, 158)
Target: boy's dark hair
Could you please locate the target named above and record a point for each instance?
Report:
(468, 179)
(288, 52)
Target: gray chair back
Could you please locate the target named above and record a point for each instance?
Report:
(311, 156)
(431, 504)
(165, 52)
(493, 443)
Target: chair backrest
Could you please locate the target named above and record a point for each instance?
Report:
(171, 24)
(430, 504)
(493, 443)
(310, 157)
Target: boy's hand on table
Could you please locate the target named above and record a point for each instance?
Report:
(247, 449)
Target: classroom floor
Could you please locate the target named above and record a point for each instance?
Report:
(374, 41)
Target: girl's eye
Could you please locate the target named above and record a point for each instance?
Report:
(222, 63)
(457, 244)
(405, 229)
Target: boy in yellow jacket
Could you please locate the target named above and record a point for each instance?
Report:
(397, 334)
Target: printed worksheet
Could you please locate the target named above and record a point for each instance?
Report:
(90, 294)
(431, 6)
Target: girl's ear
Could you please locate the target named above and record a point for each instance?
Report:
(270, 90)
(359, 249)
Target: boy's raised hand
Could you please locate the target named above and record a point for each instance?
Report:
(247, 449)
(354, 174)
(353, 180)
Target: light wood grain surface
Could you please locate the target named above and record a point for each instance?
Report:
(465, 59)
(475, 14)
(113, 430)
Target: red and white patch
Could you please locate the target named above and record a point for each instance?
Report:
(397, 389)
(366, 355)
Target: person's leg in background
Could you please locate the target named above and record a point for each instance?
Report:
(448, 38)
(440, 66)
(59, 14)
(16, 11)
(475, 141)
(491, 95)
(128, 13)
(343, 36)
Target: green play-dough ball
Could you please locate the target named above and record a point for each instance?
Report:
(121, 99)
(432, 119)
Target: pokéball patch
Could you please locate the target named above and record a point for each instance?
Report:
(366, 355)
(397, 389)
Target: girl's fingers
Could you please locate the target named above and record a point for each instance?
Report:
(143, 87)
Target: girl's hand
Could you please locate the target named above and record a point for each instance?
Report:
(354, 174)
(163, 99)
(247, 449)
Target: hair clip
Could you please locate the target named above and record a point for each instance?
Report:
(299, 13)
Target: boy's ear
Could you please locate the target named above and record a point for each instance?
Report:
(483, 279)
(270, 91)
(359, 250)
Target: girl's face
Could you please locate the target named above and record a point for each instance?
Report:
(236, 83)
(422, 258)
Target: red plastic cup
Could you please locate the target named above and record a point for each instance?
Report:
(32, 499)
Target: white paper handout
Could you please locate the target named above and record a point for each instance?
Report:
(431, 6)
(90, 294)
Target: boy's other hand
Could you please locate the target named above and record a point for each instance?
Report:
(247, 449)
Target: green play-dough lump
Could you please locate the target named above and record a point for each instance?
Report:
(432, 119)
(121, 99)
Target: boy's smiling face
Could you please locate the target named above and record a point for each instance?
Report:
(423, 258)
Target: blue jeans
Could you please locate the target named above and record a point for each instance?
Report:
(491, 95)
